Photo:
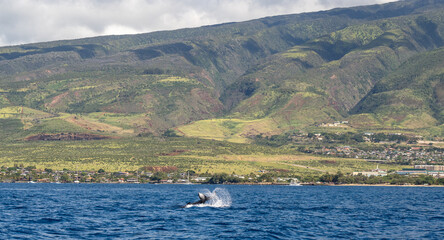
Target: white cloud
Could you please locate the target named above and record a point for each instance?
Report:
(24, 21)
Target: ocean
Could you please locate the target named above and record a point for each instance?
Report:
(147, 211)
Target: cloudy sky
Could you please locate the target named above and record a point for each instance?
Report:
(26, 21)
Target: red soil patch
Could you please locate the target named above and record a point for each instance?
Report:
(57, 99)
(206, 99)
(295, 103)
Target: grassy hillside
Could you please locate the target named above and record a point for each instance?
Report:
(411, 97)
(232, 130)
(323, 79)
(267, 76)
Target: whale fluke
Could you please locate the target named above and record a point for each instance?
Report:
(202, 199)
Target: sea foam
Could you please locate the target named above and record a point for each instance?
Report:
(219, 198)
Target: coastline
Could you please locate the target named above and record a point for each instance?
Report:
(249, 183)
(381, 185)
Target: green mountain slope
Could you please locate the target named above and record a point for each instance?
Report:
(411, 97)
(323, 79)
(273, 74)
(171, 77)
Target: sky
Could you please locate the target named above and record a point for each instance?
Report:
(28, 21)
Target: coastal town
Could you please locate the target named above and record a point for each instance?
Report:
(399, 154)
(418, 174)
(394, 147)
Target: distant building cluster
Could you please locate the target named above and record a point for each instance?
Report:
(436, 171)
(334, 124)
(386, 154)
(22, 174)
(375, 172)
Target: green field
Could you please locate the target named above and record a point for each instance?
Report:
(201, 156)
(232, 130)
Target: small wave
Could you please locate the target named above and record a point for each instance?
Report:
(49, 220)
(219, 198)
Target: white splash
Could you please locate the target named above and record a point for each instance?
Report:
(219, 198)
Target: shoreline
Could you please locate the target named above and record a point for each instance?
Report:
(379, 185)
(249, 183)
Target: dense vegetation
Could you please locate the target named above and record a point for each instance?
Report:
(340, 178)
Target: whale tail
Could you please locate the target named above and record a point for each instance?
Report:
(203, 198)
(218, 198)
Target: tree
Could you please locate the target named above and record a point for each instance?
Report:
(425, 179)
(267, 177)
(170, 133)
(337, 177)
(65, 178)
(158, 176)
(218, 178)
(326, 178)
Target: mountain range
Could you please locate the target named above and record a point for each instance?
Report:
(378, 68)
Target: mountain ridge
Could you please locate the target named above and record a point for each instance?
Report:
(273, 74)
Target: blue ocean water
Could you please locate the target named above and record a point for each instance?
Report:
(144, 211)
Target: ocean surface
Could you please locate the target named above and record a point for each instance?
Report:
(145, 211)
